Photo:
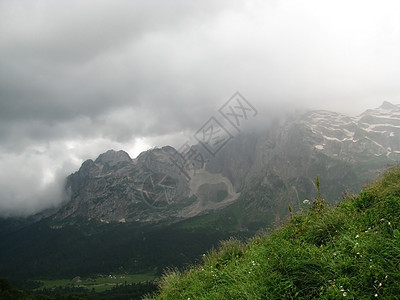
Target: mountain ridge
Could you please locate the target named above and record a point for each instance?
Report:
(116, 188)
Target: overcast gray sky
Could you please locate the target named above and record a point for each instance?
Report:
(80, 77)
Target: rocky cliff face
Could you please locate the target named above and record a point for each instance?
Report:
(345, 152)
(374, 133)
(268, 170)
(149, 188)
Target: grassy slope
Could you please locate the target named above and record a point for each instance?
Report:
(351, 251)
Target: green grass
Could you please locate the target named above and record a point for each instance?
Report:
(350, 251)
(100, 283)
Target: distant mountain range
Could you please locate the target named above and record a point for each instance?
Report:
(271, 168)
(167, 206)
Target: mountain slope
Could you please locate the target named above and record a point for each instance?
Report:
(350, 251)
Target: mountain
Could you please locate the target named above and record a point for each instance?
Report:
(116, 188)
(167, 206)
(271, 169)
(375, 132)
(345, 152)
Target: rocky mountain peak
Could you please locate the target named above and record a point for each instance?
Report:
(376, 131)
(387, 109)
(112, 157)
(389, 106)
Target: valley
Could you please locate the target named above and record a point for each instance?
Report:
(142, 216)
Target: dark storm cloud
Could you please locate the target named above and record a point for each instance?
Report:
(80, 77)
(62, 59)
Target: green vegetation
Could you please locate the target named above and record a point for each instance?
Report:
(235, 220)
(98, 283)
(351, 251)
(134, 290)
(90, 247)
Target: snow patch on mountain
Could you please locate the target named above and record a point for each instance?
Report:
(376, 131)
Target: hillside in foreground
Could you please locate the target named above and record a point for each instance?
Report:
(351, 251)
